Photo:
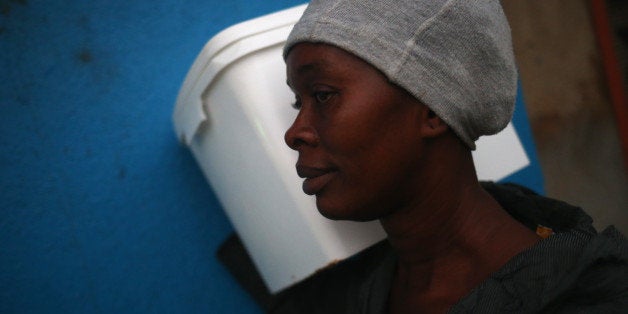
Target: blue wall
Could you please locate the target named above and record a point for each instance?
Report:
(102, 211)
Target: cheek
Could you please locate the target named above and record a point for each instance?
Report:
(386, 169)
(349, 134)
(378, 144)
(370, 184)
(377, 172)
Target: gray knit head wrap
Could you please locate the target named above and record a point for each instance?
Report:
(455, 56)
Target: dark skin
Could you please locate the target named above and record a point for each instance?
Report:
(369, 150)
(474, 237)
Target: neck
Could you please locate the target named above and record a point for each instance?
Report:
(452, 237)
(469, 228)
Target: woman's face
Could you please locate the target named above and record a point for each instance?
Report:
(357, 135)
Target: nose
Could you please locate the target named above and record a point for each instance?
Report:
(301, 132)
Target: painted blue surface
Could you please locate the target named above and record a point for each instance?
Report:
(102, 211)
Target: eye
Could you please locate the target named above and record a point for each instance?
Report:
(323, 97)
(297, 103)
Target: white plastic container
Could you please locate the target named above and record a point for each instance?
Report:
(232, 112)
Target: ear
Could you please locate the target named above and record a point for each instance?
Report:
(432, 125)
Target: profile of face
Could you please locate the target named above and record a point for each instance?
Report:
(358, 136)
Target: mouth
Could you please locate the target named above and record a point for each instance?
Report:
(315, 178)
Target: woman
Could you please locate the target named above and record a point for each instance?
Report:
(392, 96)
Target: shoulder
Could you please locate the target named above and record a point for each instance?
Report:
(335, 289)
(565, 273)
(598, 283)
(577, 269)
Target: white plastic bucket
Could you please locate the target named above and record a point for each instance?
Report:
(232, 112)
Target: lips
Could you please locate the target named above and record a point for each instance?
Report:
(315, 178)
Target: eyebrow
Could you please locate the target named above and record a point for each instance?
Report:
(310, 67)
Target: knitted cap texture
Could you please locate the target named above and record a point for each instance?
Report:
(455, 56)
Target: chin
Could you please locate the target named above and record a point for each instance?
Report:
(344, 212)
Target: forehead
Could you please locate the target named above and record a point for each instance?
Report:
(316, 58)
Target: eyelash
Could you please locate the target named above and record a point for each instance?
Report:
(327, 96)
(297, 103)
(316, 96)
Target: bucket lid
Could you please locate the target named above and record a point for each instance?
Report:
(223, 49)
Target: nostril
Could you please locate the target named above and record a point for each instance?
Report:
(296, 143)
